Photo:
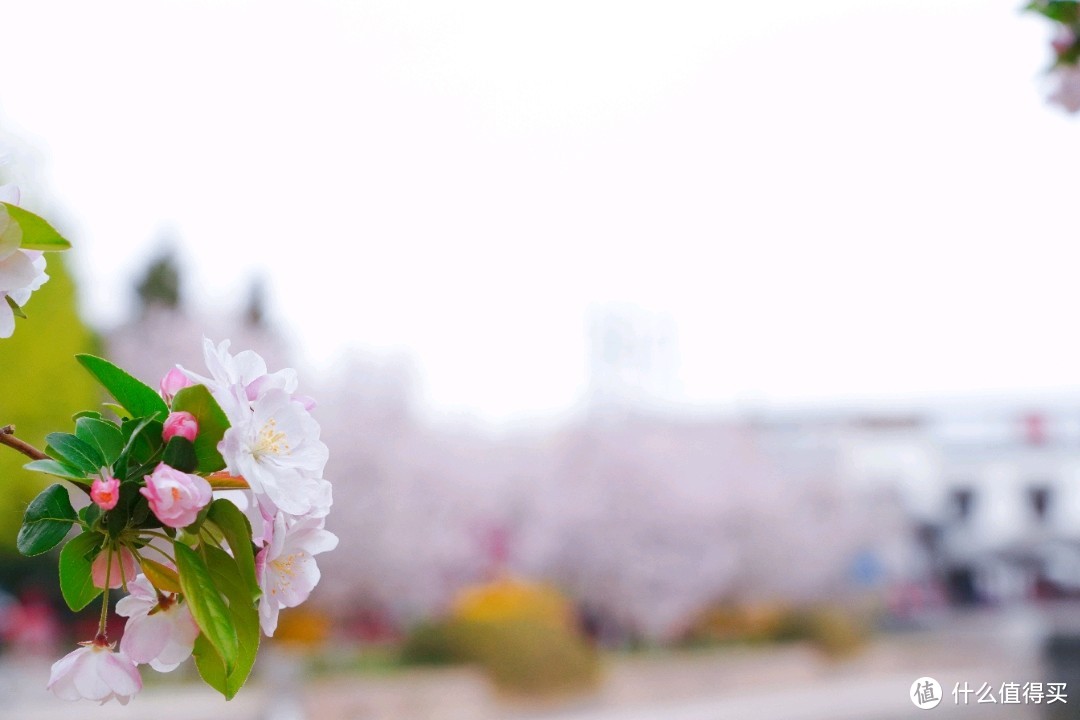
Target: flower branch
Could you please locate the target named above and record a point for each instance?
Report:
(7, 437)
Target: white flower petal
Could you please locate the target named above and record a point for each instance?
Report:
(145, 636)
(17, 271)
(7, 318)
(9, 193)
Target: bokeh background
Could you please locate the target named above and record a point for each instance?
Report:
(681, 360)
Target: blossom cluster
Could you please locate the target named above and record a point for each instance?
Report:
(22, 269)
(1065, 70)
(207, 505)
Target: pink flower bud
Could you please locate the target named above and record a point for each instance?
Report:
(180, 423)
(105, 491)
(173, 382)
(121, 567)
(175, 497)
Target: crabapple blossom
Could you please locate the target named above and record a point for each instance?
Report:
(118, 565)
(21, 271)
(1067, 92)
(95, 672)
(180, 423)
(174, 381)
(286, 568)
(260, 516)
(105, 490)
(160, 630)
(278, 451)
(176, 497)
(270, 441)
(237, 381)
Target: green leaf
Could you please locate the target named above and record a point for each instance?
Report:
(213, 423)
(57, 469)
(15, 308)
(102, 435)
(36, 233)
(76, 578)
(90, 514)
(207, 606)
(244, 617)
(74, 452)
(46, 522)
(1063, 11)
(136, 397)
(162, 577)
(143, 442)
(180, 454)
(120, 517)
(236, 529)
(86, 413)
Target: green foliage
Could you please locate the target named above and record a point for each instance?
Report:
(1063, 11)
(162, 577)
(47, 521)
(37, 234)
(56, 469)
(242, 616)
(236, 529)
(139, 399)
(213, 423)
(833, 630)
(38, 390)
(15, 308)
(104, 436)
(521, 656)
(73, 453)
(142, 448)
(76, 579)
(207, 606)
(180, 454)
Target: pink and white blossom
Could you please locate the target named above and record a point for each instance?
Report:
(182, 424)
(1067, 91)
(278, 451)
(176, 498)
(160, 630)
(105, 491)
(118, 565)
(286, 568)
(174, 381)
(21, 271)
(237, 381)
(95, 672)
(261, 516)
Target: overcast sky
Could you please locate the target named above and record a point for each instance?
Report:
(833, 200)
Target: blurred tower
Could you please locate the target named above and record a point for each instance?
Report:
(160, 286)
(633, 359)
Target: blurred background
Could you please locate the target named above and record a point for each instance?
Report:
(681, 360)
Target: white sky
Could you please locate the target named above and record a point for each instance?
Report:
(833, 200)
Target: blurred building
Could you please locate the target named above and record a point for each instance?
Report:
(993, 492)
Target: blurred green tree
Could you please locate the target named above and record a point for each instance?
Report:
(41, 387)
(160, 285)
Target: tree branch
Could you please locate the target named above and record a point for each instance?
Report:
(7, 437)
